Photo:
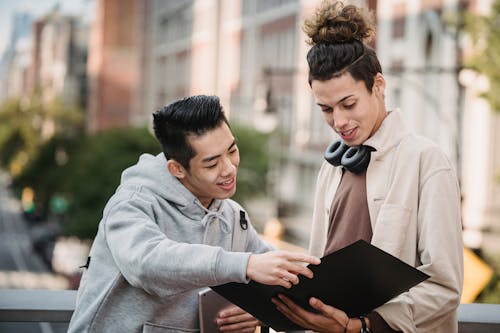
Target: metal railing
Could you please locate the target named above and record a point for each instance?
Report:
(25, 305)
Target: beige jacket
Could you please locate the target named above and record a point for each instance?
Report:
(414, 203)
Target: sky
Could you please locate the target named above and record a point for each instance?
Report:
(36, 8)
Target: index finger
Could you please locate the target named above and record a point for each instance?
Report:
(302, 257)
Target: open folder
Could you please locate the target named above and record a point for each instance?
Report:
(356, 279)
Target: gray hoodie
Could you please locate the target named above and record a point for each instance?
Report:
(156, 247)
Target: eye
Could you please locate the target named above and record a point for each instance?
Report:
(349, 106)
(211, 166)
(233, 150)
(326, 109)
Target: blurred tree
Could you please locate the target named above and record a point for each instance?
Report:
(254, 163)
(25, 123)
(93, 172)
(491, 293)
(85, 171)
(46, 173)
(485, 33)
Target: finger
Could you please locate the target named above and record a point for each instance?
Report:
(235, 319)
(290, 277)
(285, 310)
(232, 310)
(239, 326)
(298, 269)
(244, 330)
(284, 282)
(250, 324)
(302, 257)
(296, 309)
(327, 310)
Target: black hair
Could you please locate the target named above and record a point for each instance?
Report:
(193, 115)
(337, 34)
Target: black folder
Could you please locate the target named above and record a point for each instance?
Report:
(356, 279)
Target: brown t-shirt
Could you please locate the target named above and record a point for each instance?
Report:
(349, 222)
(349, 215)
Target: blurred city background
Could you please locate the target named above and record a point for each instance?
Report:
(79, 80)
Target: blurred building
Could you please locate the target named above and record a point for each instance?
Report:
(59, 58)
(15, 64)
(480, 155)
(48, 54)
(252, 54)
(114, 63)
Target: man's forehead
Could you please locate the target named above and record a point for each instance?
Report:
(211, 144)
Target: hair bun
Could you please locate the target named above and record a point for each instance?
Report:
(334, 22)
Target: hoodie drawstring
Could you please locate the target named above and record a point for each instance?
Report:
(225, 226)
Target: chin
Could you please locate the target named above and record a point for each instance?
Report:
(231, 193)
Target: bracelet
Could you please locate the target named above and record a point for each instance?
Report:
(346, 324)
(364, 328)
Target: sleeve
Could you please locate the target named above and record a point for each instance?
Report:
(378, 324)
(440, 252)
(326, 185)
(151, 261)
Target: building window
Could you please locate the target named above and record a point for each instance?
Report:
(177, 24)
(399, 20)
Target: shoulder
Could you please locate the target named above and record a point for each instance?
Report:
(234, 206)
(131, 197)
(233, 203)
(426, 156)
(426, 150)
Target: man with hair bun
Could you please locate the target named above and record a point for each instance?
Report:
(402, 194)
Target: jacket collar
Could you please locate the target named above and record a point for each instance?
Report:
(391, 132)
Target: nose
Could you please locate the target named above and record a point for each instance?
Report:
(228, 167)
(340, 120)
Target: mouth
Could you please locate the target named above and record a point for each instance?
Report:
(349, 134)
(227, 184)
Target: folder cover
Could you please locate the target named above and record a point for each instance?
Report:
(356, 279)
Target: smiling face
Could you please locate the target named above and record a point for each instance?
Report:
(348, 107)
(213, 169)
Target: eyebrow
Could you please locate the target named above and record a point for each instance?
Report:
(211, 158)
(340, 101)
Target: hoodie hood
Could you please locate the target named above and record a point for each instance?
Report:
(151, 173)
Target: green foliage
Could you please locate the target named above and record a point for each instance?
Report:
(85, 171)
(491, 293)
(25, 122)
(46, 174)
(485, 33)
(94, 173)
(254, 163)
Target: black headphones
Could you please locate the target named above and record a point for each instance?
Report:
(354, 159)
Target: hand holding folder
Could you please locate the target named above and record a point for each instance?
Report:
(355, 279)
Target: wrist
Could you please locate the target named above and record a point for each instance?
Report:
(354, 325)
(249, 273)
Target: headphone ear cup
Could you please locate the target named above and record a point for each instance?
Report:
(335, 151)
(356, 159)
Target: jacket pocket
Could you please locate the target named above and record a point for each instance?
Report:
(155, 328)
(391, 228)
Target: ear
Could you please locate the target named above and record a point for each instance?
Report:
(379, 84)
(176, 169)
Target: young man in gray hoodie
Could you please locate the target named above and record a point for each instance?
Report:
(170, 229)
